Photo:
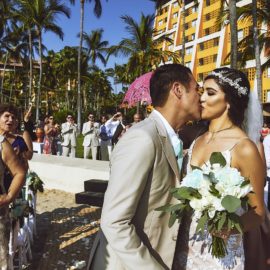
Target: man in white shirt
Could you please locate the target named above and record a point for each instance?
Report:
(69, 131)
(144, 168)
(90, 132)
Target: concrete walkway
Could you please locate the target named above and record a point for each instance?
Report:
(68, 174)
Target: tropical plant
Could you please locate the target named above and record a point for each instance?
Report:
(95, 48)
(140, 46)
(251, 46)
(42, 16)
(97, 12)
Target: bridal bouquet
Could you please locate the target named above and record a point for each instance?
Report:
(214, 195)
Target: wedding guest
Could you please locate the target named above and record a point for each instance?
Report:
(137, 117)
(22, 144)
(266, 144)
(105, 140)
(29, 125)
(90, 132)
(8, 161)
(264, 131)
(50, 139)
(69, 131)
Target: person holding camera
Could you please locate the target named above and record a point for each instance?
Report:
(90, 132)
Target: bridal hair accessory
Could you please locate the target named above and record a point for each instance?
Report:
(240, 89)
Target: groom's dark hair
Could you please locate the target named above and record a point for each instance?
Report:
(163, 78)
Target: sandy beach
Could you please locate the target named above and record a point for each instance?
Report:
(65, 232)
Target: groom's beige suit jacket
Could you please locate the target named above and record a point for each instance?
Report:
(133, 235)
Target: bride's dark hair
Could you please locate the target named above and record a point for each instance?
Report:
(236, 87)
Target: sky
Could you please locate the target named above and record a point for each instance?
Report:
(114, 29)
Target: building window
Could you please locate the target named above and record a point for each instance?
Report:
(216, 42)
(160, 22)
(192, 36)
(175, 15)
(193, 23)
(174, 25)
(240, 34)
(170, 48)
(267, 96)
(207, 2)
(268, 72)
(207, 17)
(214, 58)
(201, 61)
(201, 46)
(189, 50)
(188, 64)
(207, 32)
(194, 9)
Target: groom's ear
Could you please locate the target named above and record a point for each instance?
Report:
(177, 89)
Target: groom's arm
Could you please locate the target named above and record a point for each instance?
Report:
(132, 161)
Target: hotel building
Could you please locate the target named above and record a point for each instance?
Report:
(207, 44)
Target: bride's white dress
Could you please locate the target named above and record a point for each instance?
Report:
(192, 249)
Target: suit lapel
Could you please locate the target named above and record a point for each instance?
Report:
(166, 144)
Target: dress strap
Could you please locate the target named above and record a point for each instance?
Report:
(244, 138)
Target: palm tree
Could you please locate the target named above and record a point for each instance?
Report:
(42, 15)
(95, 47)
(21, 13)
(257, 49)
(65, 67)
(140, 46)
(233, 29)
(97, 12)
(252, 45)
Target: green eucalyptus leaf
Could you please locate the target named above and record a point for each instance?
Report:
(177, 207)
(201, 223)
(231, 203)
(222, 221)
(244, 183)
(164, 208)
(172, 219)
(217, 157)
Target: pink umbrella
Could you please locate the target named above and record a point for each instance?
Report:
(139, 91)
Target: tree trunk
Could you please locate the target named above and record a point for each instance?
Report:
(40, 75)
(257, 50)
(30, 66)
(79, 98)
(233, 28)
(183, 15)
(3, 78)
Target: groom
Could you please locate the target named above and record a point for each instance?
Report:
(143, 170)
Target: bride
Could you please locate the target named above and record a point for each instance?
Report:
(224, 101)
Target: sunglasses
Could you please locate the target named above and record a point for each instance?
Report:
(69, 117)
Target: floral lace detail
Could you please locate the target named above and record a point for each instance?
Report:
(192, 249)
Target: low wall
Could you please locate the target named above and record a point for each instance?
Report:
(68, 174)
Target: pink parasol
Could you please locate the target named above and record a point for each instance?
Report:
(139, 91)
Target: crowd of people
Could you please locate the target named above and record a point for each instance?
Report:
(99, 136)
